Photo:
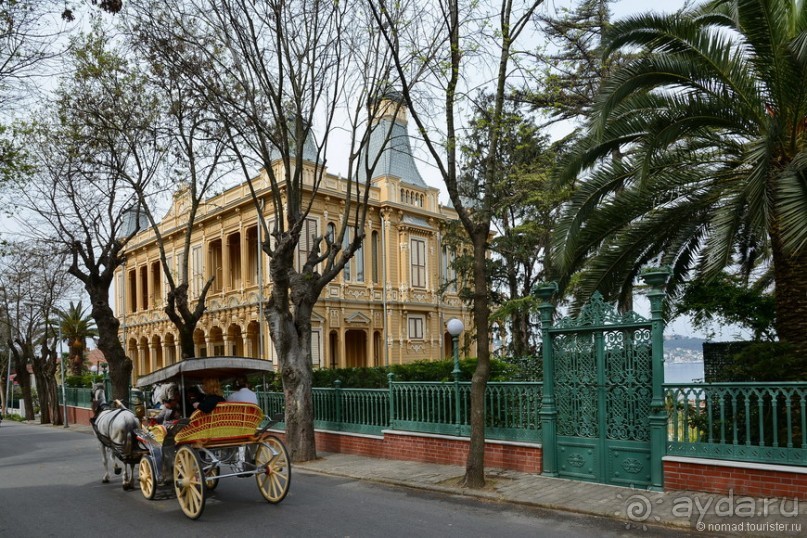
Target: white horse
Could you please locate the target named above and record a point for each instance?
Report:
(114, 426)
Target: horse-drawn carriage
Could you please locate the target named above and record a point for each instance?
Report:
(194, 453)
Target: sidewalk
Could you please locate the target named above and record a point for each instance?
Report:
(688, 511)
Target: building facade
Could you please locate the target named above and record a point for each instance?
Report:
(388, 306)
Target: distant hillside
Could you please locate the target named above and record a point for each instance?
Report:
(683, 342)
(679, 348)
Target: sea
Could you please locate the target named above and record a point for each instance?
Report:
(683, 372)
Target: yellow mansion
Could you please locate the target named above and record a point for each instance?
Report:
(386, 307)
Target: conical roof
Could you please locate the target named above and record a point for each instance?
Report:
(389, 141)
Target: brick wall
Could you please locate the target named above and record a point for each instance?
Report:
(431, 449)
(77, 415)
(714, 476)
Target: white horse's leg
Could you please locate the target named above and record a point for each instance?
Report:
(128, 474)
(105, 461)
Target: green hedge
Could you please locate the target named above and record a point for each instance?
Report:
(374, 378)
(85, 380)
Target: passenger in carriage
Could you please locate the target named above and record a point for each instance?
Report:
(243, 393)
(213, 395)
(192, 398)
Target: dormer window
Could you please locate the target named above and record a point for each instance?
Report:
(411, 197)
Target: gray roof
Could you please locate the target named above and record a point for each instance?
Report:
(396, 159)
(206, 367)
(309, 147)
(132, 221)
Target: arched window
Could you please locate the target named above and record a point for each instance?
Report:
(374, 255)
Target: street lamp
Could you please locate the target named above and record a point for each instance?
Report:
(455, 327)
(64, 389)
(107, 392)
(8, 385)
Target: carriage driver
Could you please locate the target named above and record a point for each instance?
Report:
(170, 411)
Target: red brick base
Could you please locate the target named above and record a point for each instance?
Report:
(431, 449)
(77, 415)
(755, 480)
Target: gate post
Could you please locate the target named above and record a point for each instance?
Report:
(656, 278)
(549, 413)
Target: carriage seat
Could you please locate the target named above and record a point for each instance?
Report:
(228, 421)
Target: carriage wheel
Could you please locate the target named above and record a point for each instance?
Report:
(211, 481)
(211, 470)
(189, 482)
(273, 457)
(147, 477)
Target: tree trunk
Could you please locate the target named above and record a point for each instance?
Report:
(120, 366)
(475, 464)
(291, 335)
(183, 318)
(299, 406)
(23, 380)
(791, 297)
(42, 385)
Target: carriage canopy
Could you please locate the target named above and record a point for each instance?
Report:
(219, 367)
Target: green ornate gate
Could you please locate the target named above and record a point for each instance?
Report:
(602, 412)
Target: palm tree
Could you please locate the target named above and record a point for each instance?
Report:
(696, 156)
(76, 326)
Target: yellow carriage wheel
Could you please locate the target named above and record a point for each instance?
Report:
(146, 475)
(272, 457)
(189, 482)
(210, 477)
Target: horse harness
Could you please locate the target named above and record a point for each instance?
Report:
(122, 451)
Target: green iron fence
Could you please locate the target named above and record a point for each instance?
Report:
(428, 407)
(76, 396)
(755, 422)
(511, 409)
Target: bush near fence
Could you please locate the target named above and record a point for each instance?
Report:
(376, 377)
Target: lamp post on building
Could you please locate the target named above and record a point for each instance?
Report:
(455, 327)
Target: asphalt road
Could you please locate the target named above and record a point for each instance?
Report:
(50, 485)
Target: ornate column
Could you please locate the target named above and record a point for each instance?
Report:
(657, 278)
(153, 349)
(244, 250)
(368, 346)
(342, 348)
(548, 413)
(141, 357)
(227, 284)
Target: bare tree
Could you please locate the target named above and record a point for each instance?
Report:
(32, 282)
(30, 39)
(435, 54)
(272, 73)
(83, 165)
(193, 163)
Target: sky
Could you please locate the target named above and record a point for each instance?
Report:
(620, 9)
